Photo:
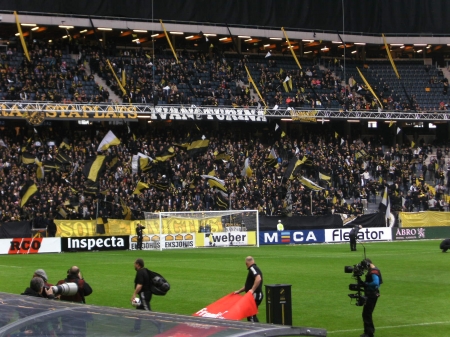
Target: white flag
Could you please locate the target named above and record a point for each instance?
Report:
(398, 130)
(268, 54)
(276, 127)
(109, 140)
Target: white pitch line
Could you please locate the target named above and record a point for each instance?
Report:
(392, 326)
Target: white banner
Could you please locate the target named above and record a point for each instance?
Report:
(365, 234)
(169, 241)
(226, 239)
(30, 245)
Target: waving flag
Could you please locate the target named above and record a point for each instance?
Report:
(109, 140)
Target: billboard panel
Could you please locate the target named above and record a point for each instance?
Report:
(30, 245)
(365, 234)
(292, 237)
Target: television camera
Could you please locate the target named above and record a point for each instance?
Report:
(357, 271)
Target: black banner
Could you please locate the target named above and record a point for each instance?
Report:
(98, 243)
(17, 229)
(269, 223)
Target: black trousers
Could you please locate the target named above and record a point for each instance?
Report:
(352, 242)
(258, 299)
(146, 297)
(369, 307)
(139, 243)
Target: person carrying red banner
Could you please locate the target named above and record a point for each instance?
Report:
(253, 283)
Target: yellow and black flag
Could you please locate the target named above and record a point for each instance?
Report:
(109, 140)
(271, 159)
(221, 201)
(221, 156)
(310, 184)
(140, 187)
(126, 211)
(93, 167)
(65, 144)
(27, 158)
(113, 163)
(197, 146)
(63, 158)
(167, 153)
(160, 186)
(101, 222)
(26, 192)
(141, 163)
(215, 183)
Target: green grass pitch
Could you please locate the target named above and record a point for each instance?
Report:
(414, 298)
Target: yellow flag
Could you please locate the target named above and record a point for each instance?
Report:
(124, 78)
(413, 144)
(283, 134)
(390, 57)
(291, 49)
(24, 45)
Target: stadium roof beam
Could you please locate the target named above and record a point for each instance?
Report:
(42, 19)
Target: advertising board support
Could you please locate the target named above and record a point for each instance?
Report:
(278, 304)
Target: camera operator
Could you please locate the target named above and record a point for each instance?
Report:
(84, 289)
(37, 289)
(372, 292)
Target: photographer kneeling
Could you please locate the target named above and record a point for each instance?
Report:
(84, 289)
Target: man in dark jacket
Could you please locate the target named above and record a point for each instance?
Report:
(353, 235)
(84, 289)
(37, 289)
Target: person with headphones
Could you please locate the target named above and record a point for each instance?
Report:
(372, 292)
(84, 289)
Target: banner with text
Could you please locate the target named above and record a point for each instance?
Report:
(30, 246)
(97, 243)
(365, 234)
(297, 237)
(420, 233)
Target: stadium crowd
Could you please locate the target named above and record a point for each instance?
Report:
(351, 173)
(208, 78)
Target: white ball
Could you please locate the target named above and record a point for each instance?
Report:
(136, 302)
